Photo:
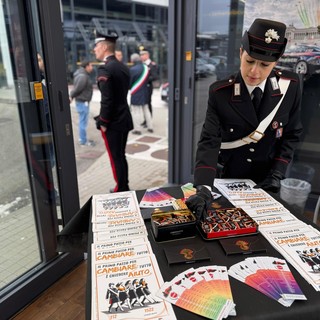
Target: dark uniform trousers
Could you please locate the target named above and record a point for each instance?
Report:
(115, 142)
(114, 81)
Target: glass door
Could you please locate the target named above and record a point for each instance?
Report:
(31, 211)
(206, 36)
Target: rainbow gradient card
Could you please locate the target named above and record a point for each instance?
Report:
(155, 198)
(199, 292)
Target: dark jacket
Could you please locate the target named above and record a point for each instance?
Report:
(113, 79)
(82, 89)
(230, 117)
(139, 77)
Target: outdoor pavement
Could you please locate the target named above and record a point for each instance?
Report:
(147, 154)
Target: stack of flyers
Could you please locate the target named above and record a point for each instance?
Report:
(107, 207)
(234, 188)
(125, 289)
(205, 291)
(271, 276)
(242, 193)
(125, 272)
(278, 209)
(299, 245)
(276, 221)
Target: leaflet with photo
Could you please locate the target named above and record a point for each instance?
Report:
(302, 250)
(232, 188)
(127, 290)
(304, 256)
(120, 203)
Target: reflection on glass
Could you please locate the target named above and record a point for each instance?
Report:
(19, 250)
(217, 52)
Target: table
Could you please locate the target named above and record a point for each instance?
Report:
(250, 304)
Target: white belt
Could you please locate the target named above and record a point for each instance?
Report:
(258, 134)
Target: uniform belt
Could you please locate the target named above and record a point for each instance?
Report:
(258, 134)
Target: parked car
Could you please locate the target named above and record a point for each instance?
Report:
(304, 59)
(210, 68)
(201, 69)
(164, 91)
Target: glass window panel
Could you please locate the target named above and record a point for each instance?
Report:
(19, 249)
(220, 25)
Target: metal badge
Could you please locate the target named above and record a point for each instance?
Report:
(275, 125)
(237, 89)
(279, 133)
(274, 83)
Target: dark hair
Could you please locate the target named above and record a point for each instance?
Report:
(84, 63)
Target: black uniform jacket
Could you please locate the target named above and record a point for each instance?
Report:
(231, 116)
(113, 79)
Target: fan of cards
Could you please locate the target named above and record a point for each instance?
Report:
(205, 291)
(270, 276)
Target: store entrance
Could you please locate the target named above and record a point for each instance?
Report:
(32, 207)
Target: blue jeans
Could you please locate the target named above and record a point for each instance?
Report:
(83, 111)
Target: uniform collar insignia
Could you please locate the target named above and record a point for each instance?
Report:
(274, 83)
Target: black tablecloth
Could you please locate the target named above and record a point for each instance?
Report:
(250, 304)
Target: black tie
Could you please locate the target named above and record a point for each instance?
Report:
(257, 95)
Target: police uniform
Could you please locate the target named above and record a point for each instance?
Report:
(113, 80)
(231, 116)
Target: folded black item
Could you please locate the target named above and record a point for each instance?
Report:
(74, 235)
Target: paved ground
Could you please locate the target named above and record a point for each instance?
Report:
(147, 154)
(148, 167)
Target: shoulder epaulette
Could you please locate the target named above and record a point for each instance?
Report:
(220, 84)
(287, 75)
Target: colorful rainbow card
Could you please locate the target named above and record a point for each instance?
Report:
(188, 190)
(156, 197)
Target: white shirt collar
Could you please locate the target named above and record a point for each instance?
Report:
(261, 86)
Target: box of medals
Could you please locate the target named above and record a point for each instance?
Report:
(172, 225)
(227, 222)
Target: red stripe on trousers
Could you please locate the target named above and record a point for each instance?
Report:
(104, 136)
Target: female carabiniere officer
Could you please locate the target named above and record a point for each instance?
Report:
(252, 135)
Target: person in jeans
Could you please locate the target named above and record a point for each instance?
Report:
(82, 93)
